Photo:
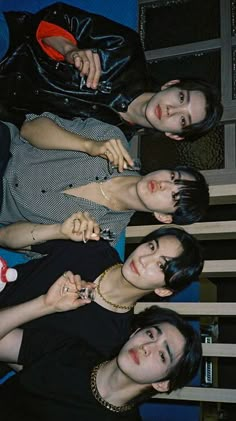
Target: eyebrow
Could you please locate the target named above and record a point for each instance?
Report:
(158, 329)
(179, 175)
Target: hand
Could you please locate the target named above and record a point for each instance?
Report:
(113, 151)
(88, 63)
(63, 294)
(80, 227)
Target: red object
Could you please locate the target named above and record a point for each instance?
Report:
(46, 29)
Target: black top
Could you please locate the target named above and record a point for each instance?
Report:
(55, 385)
(105, 330)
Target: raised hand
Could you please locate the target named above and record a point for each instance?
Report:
(80, 227)
(88, 63)
(113, 150)
(63, 294)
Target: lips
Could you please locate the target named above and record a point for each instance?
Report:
(133, 268)
(158, 112)
(134, 355)
(152, 186)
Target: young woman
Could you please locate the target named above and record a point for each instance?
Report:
(167, 261)
(66, 379)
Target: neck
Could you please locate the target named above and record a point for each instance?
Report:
(114, 288)
(119, 193)
(114, 386)
(136, 112)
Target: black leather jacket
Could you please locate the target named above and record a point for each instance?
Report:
(30, 81)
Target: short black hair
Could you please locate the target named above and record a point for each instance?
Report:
(186, 368)
(186, 268)
(193, 197)
(214, 108)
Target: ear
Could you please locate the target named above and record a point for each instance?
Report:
(174, 136)
(169, 84)
(163, 292)
(161, 387)
(163, 217)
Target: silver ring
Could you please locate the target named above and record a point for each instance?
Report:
(75, 55)
(65, 288)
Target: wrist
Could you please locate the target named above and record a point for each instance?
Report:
(45, 305)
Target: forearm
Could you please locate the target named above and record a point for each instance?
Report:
(24, 234)
(43, 133)
(60, 44)
(12, 317)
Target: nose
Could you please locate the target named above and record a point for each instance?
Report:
(172, 110)
(150, 347)
(146, 260)
(149, 260)
(163, 185)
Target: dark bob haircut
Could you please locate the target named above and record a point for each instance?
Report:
(214, 108)
(193, 197)
(180, 271)
(186, 368)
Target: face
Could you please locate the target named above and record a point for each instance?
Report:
(172, 109)
(158, 192)
(151, 353)
(145, 267)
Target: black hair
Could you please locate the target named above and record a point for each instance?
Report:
(193, 197)
(182, 270)
(214, 108)
(186, 368)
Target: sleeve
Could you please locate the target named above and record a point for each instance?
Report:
(38, 342)
(47, 29)
(89, 128)
(89, 30)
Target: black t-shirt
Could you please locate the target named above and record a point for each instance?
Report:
(55, 383)
(105, 330)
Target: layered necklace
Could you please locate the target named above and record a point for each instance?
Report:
(102, 296)
(99, 398)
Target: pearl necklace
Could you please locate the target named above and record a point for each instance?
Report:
(103, 298)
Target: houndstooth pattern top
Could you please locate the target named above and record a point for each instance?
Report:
(35, 179)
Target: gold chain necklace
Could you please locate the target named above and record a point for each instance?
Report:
(103, 193)
(103, 298)
(98, 397)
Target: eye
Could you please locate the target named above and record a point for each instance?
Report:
(150, 334)
(162, 356)
(182, 122)
(152, 245)
(161, 265)
(172, 176)
(181, 97)
(175, 198)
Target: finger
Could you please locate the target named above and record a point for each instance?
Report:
(90, 229)
(125, 153)
(78, 222)
(91, 69)
(111, 152)
(98, 70)
(118, 160)
(77, 59)
(84, 69)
